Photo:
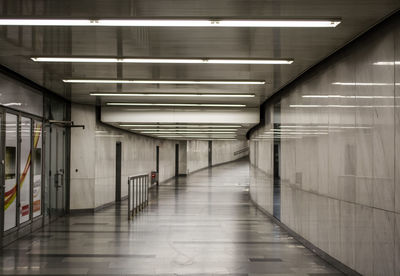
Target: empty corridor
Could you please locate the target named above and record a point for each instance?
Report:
(202, 224)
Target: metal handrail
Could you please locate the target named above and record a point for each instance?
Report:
(241, 151)
(138, 194)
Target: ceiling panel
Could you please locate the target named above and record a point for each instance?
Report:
(306, 46)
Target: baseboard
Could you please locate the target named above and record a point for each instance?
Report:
(81, 211)
(322, 254)
(23, 231)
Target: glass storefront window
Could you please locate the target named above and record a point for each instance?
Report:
(10, 196)
(25, 169)
(37, 169)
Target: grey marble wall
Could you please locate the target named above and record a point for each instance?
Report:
(197, 155)
(93, 159)
(224, 151)
(261, 169)
(340, 155)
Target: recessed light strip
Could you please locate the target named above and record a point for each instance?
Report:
(157, 22)
(255, 82)
(221, 95)
(365, 83)
(188, 132)
(348, 97)
(163, 60)
(397, 62)
(177, 104)
(182, 129)
(197, 126)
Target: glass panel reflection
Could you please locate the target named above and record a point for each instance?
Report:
(25, 169)
(37, 169)
(10, 195)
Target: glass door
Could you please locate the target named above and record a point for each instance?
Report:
(57, 168)
(1, 175)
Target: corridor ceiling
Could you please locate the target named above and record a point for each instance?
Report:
(305, 46)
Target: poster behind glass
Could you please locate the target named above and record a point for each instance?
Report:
(37, 169)
(25, 169)
(10, 196)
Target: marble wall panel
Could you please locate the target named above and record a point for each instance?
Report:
(397, 244)
(383, 242)
(197, 155)
(397, 117)
(363, 228)
(341, 188)
(223, 151)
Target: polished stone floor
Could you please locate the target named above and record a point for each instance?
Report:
(203, 224)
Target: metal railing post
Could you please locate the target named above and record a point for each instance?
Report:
(138, 194)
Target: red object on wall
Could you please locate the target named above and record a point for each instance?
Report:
(25, 210)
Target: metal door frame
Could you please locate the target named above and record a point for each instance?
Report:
(2, 180)
(19, 114)
(118, 171)
(210, 153)
(176, 160)
(54, 214)
(157, 158)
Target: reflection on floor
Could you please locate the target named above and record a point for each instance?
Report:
(203, 224)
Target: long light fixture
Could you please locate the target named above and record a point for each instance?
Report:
(188, 132)
(255, 82)
(177, 104)
(159, 22)
(366, 83)
(387, 62)
(323, 126)
(343, 106)
(348, 97)
(197, 126)
(163, 60)
(219, 95)
(182, 129)
(197, 137)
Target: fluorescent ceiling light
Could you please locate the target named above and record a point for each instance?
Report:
(198, 138)
(343, 106)
(348, 97)
(305, 23)
(177, 104)
(365, 83)
(220, 95)
(188, 132)
(292, 130)
(324, 126)
(387, 63)
(182, 126)
(163, 60)
(164, 81)
(181, 129)
(11, 104)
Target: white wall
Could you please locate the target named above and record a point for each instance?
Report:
(340, 187)
(224, 151)
(93, 155)
(197, 155)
